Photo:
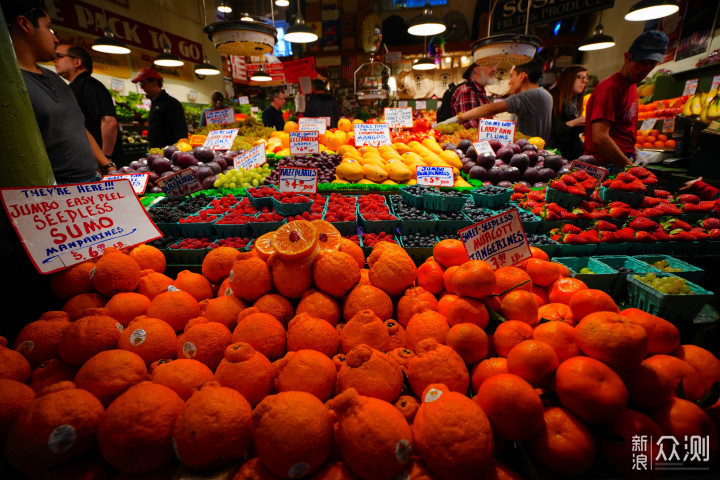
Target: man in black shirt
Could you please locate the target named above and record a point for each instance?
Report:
(166, 121)
(75, 65)
(322, 105)
(272, 116)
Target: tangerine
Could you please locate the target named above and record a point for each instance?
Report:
(295, 240)
(306, 371)
(512, 405)
(108, 374)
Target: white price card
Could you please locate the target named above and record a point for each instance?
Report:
(307, 124)
(503, 130)
(399, 117)
(180, 184)
(598, 173)
(373, 134)
(483, 147)
(402, 103)
(298, 179)
(254, 109)
(499, 240)
(435, 176)
(690, 86)
(304, 142)
(137, 180)
(648, 124)
(220, 117)
(715, 82)
(61, 226)
(243, 100)
(668, 125)
(251, 159)
(221, 139)
(420, 104)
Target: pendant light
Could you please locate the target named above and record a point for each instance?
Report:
(651, 9)
(424, 63)
(242, 38)
(598, 41)
(299, 32)
(222, 8)
(261, 75)
(426, 24)
(108, 43)
(206, 68)
(167, 58)
(246, 18)
(282, 3)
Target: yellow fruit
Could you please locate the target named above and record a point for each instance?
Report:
(537, 141)
(375, 173)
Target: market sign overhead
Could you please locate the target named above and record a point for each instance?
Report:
(509, 15)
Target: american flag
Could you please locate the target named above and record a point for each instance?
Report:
(349, 64)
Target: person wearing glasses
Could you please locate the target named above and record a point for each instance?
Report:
(272, 116)
(166, 120)
(567, 119)
(75, 65)
(73, 153)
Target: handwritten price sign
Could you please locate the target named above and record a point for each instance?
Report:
(373, 134)
(243, 100)
(220, 117)
(690, 86)
(180, 184)
(65, 225)
(499, 240)
(483, 148)
(251, 159)
(435, 176)
(399, 117)
(648, 124)
(221, 139)
(297, 179)
(598, 173)
(137, 180)
(309, 124)
(304, 142)
(502, 130)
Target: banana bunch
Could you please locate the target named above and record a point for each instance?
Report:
(705, 106)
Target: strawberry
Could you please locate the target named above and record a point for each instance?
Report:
(635, 186)
(576, 190)
(649, 181)
(550, 215)
(675, 223)
(642, 236)
(598, 214)
(538, 211)
(619, 212)
(640, 172)
(662, 194)
(661, 235)
(579, 175)
(625, 234)
(681, 235)
(565, 215)
(590, 205)
(688, 198)
(607, 183)
(607, 236)
(559, 186)
(650, 202)
(604, 226)
(574, 239)
(521, 188)
(625, 177)
(714, 233)
(706, 205)
(589, 183)
(590, 235)
(570, 228)
(516, 197)
(668, 208)
(617, 185)
(556, 238)
(643, 223)
(651, 212)
(595, 197)
(618, 204)
(699, 233)
(569, 180)
(554, 207)
(536, 196)
(711, 222)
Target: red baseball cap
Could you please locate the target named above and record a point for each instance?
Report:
(146, 73)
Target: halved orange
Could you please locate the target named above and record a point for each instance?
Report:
(328, 236)
(295, 240)
(264, 245)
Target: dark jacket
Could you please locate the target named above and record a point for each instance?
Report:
(323, 105)
(166, 121)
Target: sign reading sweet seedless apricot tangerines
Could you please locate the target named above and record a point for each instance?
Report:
(61, 226)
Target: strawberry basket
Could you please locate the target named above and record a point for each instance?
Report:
(611, 195)
(565, 200)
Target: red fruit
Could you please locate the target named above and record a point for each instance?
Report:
(625, 234)
(669, 209)
(688, 198)
(650, 202)
(642, 223)
(711, 222)
(554, 207)
(662, 194)
(559, 186)
(570, 228)
(642, 236)
(579, 175)
(576, 190)
(602, 225)
(626, 177)
(661, 235)
(574, 239)
(651, 212)
(569, 180)
(617, 185)
(714, 233)
(640, 172)
(590, 235)
(607, 236)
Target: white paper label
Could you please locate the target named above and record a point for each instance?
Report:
(137, 180)
(297, 179)
(483, 147)
(180, 184)
(373, 134)
(308, 124)
(502, 130)
(435, 176)
(499, 240)
(221, 139)
(220, 117)
(304, 142)
(399, 117)
(251, 159)
(690, 86)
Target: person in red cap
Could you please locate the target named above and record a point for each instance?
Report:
(166, 121)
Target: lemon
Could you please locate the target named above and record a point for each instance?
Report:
(184, 146)
(537, 141)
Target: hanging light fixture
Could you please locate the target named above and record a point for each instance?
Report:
(246, 18)
(261, 75)
(426, 24)
(240, 38)
(282, 3)
(206, 68)
(224, 8)
(598, 41)
(168, 59)
(299, 32)
(651, 9)
(108, 43)
(424, 63)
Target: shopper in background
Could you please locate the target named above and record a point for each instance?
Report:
(471, 93)
(74, 155)
(272, 116)
(612, 111)
(322, 105)
(218, 103)
(568, 122)
(703, 190)
(166, 121)
(75, 65)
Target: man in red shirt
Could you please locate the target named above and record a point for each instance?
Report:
(612, 111)
(471, 93)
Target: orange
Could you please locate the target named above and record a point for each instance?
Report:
(354, 250)
(474, 279)
(218, 262)
(539, 253)
(648, 386)
(87, 336)
(447, 278)
(253, 469)
(290, 126)
(108, 374)
(391, 268)
(182, 376)
(436, 363)
(335, 273)
(611, 339)
(414, 300)
(319, 305)
(293, 433)
(59, 424)
(408, 406)
(115, 272)
(511, 278)
(263, 332)
(450, 252)
(706, 364)
(560, 336)
(205, 342)
(446, 301)
(542, 272)
(345, 125)
(469, 341)
(466, 310)
(534, 361)
(365, 327)
(247, 371)
(564, 444)
(37, 341)
(540, 295)
(175, 308)
(295, 240)
(461, 452)
(329, 238)
(124, 306)
(562, 289)
(520, 305)
(214, 428)
(75, 307)
(51, 372)
(306, 371)
(374, 438)
(194, 284)
(151, 338)
(510, 333)
(556, 312)
(368, 297)
(428, 324)
(292, 278)
(150, 257)
(682, 419)
(486, 369)
(617, 448)
(264, 245)
(135, 434)
(663, 336)
(430, 277)
(589, 300)
(250, 279)
(371, 373)
(72, 281)
(14, 397)
(680, 373)
(590, 389)
(223, 309)
(513, 406)
(306, 332)
(275, 305)
(153, 283)
(402, 357)
(398, 337)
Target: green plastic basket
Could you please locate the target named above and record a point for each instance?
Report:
(260, 228)
(568, 250)
(602, 277)
(689, 272)
(673, 308)
(291, 209)
(620, 285)
(173, 229)
(418, 254)
(411, 199)
(441, 203)
(616, 248)
(565, 200)
(631, 198)
(387, 226)
(550, 249)
(491, 201)
(188, 256)
(198, 229)
(259, 202)
(227, 230)
(451, 227)
(638, 248)
(423, 227)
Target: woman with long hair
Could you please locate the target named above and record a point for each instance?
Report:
(568, 119)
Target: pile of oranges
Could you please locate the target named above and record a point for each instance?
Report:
(304, 359)
(653, 139)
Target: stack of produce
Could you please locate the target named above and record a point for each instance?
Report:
(705, 107)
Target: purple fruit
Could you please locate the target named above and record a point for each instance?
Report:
(505, 153)
(504, 184)
(471, 153)
(204, 154)
(166, 174)
(503, 166)
(495, 144)
(222, 162)
(544, 153)
(521, 161)
(530, 175)
(185, 160)
(125, 170)
(136, 164)
(545, 174)
(468, 166)
(215, 167)
(169, 150)
(176, 168)
(154, 189)
(521, 142)
(495, 175)
(486, 160)
(589, 159)
(209, 182)
(142, 169)
(532, 156)
(529, 148)
(523, 182)
(162, 164)
(553, 161)
(152, 176)
(151, 158)
(512, 174)
(478, 173)
(460, 153)
(515, 147)
(449, 146)
(202, 172)
(464, 144)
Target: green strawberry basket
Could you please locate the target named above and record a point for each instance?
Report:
(565, 200)
(611, 195)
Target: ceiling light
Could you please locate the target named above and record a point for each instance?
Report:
(167, 59)
(299, 32)
(651, 9)
(424, 63)
(261, 75)
(206, 68)
(246, 18)
(242, 38)
(109, 44)
(224, 8)
(598, 41)
(426, 24)
(282, 3)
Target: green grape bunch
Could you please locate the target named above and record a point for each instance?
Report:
(670, 285)
(242, 178)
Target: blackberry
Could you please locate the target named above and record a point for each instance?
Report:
(625, 270)
(525, 216)
(448, 235)
(418, 189)
(407, 212)
(164, 242)
(479, 214)
(535, 239)
(448, 193)
(165, 215)
(168, 203)
(195, 204)
(418, 240)
(490, 190)
(450, 216)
